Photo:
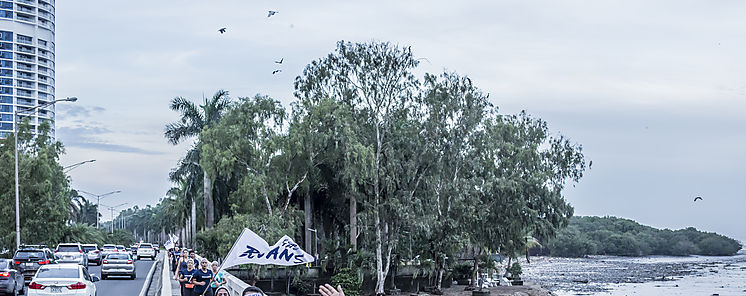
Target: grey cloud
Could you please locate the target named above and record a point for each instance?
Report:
(68, 111)
(86, 136)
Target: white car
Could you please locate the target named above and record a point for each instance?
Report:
(63, 279)
(71, 253)
(145, 250)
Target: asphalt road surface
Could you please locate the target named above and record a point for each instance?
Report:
(115, 286)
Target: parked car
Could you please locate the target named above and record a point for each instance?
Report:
(157, 248)
(118, 265)
(145, 250)
(28, 259)
(93, 253)
(11, 280)
(71, 253)
(63, 279)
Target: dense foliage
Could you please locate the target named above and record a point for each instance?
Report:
(370, 167)
(50, 211)
(623, 237)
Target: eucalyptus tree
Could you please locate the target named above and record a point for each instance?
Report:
(193, 120)
(374, 79)
(453, 115)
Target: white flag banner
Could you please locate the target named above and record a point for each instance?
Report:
(169, 245)
(250, 248)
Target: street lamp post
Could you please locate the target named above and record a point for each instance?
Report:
(112, 214)
(16, 111)
(98, 200)
(76, 165)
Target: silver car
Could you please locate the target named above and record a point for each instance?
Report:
(93, 253)
(71, 253)
(119, 264)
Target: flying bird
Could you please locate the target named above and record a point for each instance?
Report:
(272, 12)
(276, 71)
(221, 30)
(697, 198)
(280, 61)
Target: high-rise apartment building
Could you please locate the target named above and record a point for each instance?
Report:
(26, 60)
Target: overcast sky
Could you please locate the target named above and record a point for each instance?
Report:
(655, 91)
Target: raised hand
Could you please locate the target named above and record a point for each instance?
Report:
(328, 290)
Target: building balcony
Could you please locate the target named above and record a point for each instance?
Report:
(25, 58)
(24, 67)
(25, 49)
(25, 9)
(32, 2)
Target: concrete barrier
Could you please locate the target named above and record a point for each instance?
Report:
(235, 285)
(166, 276)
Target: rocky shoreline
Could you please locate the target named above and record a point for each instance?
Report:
(598, 273)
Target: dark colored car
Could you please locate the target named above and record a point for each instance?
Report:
(28, 259)
(11, 280)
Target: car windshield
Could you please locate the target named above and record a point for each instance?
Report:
(118, 257)
(47, 273)
(68, 249)
(146, 246)
(110, 248)
(29, 254)
(88, 249)
(120, 248)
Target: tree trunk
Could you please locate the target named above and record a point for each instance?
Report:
(209, 202)
(353, 222)
(308, 223)
(380, 276)
(193, 221)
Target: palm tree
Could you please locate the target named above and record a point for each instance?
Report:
(194, 119)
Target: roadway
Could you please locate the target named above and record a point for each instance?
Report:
(116, 286)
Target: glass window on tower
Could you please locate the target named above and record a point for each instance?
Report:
(6, 55)
(6, 90)
(6, 73)
(6, 99)
(6, 5)
(6, 36)
(6, 64)
(6, 126)
(6, 14)
(6, 45)
(6, 117)
(6, 81)
(6, 108)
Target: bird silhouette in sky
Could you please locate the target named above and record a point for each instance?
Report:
(272, 12)
(697, 198)
(221, 30)
(276, 71)
(280, 61)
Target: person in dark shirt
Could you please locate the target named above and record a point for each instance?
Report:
(202, 278)
(185, 279)
(175, 254)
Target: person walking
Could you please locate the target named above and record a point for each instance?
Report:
(202, 278)
(218, 278)
(181, 263)
(185, 279)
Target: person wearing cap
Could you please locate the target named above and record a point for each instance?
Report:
(202, 278)
(222, 291)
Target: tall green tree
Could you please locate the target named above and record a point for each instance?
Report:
(376, 80)
(193, 120)
(44, 188)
